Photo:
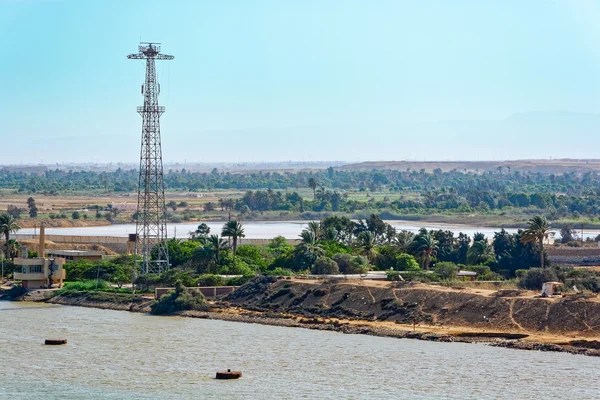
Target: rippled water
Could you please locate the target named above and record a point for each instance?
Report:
(121, 355)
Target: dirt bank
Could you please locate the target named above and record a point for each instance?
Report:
(426, 313)
(429, 305)
(62, 223)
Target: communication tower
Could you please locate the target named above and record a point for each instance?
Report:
(151, 252)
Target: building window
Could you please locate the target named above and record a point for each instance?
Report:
(35, 269)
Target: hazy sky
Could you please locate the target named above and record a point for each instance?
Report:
(303, 80)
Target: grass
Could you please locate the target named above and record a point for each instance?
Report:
(90, 286)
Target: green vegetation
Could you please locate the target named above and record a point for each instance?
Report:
(512, 197)
(8, 225)
(180, 299)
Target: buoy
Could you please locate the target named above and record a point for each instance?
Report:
(55, 342)
(229, 374)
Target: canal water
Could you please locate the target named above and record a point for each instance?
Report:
(121, 355)
(270, 229)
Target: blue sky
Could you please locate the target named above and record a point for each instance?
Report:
(303, 80)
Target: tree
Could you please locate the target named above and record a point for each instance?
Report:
(406, 262)
(172, 204)
(13, 248)
(315, 228)
(235, 230)
(8, 225)
(425, 246)
(33, 210)
(14, 211)
(403, 240)
(201, 232)
(210, 206)
(308, 250)
(325, 266)
(312, 183)
(539, 229)
(217, 245)
(566, 234)
(480, 253)
(367, 245)
(446, 270)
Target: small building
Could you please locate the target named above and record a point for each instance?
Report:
(466, 275)
(74, 255)
(39, 273)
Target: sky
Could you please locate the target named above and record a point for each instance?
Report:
(278, 80)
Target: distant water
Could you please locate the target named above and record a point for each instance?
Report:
(121, 355)
(268, 229)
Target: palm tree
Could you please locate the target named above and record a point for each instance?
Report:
(403, 240)
(217, 245)
(13, 248)
(368, 245)
(234, 230)
(425, 246)
(8, 225)
(539, 229)
(315, 228)
(312, 183)
(479, 253)
(309, 247)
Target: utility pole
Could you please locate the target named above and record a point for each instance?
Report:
(151, 225)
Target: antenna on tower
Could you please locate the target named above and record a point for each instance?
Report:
(151, 252)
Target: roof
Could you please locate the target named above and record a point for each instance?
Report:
(466, 273)
(75, 252)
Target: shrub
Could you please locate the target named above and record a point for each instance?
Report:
(535, 277)
(325, 266)
(238, 280)
(210, 280)
(446, 270)
(406, 262)
(16, 291)
(180, 299)
(484, 273)
(279, 272)
(75, 215)
(393, 275)
(85, 286)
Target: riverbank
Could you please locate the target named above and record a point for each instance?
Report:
(268, 301)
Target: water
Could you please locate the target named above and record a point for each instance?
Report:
(121, 355)
(268, 229)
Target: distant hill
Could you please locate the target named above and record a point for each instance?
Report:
(559, 166)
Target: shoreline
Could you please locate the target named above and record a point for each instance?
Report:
(510, 340)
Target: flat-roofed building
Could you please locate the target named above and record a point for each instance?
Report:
(39, 273)
(74, 255)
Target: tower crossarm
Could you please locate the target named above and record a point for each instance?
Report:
(142, 56)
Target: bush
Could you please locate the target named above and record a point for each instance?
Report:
(238, 280)
(484, 273)
(85, 286)
(279, 272)
(406, 262)
(535, 277)
(16, 291)
(325, 266)
(180, 299)
(446, 270)
(75, 215)
(393, 275)
(210, 280)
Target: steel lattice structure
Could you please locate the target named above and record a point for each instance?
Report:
(151, 226)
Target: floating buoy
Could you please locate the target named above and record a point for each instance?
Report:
(229, 374)
(55, 342)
